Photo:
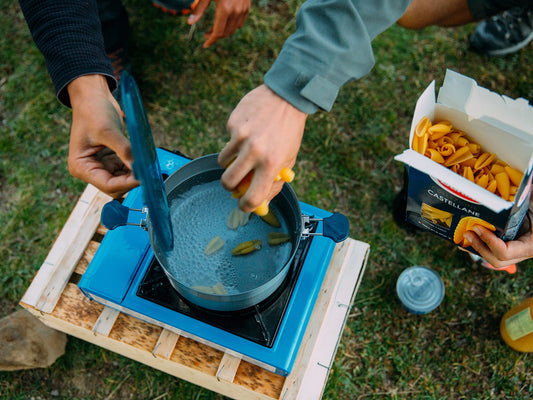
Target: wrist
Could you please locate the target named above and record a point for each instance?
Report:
(86, 87)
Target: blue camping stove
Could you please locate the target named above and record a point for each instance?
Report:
(125, 275)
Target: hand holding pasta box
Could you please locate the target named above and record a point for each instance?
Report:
(469, 161)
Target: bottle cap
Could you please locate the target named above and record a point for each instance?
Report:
(420, 289)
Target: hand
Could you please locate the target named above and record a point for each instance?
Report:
(266, 133)
(230, 15)
(497, 252)
(99, 153)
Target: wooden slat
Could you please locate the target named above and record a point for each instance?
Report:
(315, 357)
(228, 367)
(165, 344)
(105, 321)
(52, 277)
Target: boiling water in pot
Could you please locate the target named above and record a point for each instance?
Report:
(201, 213)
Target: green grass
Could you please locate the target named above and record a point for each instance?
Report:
(345, 164)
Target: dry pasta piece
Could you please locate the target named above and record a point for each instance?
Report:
(420, 144)
(435, 155)
(484, 160)
(482, 180)
(468, 174)
(456, 135)
(444, 140)
(503, 185)
(447, 149)
(459, 156)
(466, 224)
(460, 229)
(462, 141)
(439, 130)
(474, 148)
(491, 187)
(497, 168)
(514, 175)
(469, 163)
(422, 127)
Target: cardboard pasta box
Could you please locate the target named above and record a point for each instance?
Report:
(447, 203)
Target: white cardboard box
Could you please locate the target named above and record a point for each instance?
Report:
(501, 125)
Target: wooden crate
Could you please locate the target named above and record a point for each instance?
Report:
(54, 297)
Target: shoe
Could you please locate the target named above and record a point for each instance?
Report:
(175, 7)
(504, 33)
(120, 61)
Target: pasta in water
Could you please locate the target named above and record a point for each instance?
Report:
(450, 147)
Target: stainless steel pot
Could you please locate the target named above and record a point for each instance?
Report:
(191, 208)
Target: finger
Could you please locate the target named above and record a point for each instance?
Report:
(198, 12)
(228, 153)
(235, 173)
(117, 142)
(497, 261)
(260, 189)
(215, 33)
(490, 240)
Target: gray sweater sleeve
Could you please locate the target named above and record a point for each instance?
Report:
(330, 47)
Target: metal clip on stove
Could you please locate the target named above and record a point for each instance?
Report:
(115, 214)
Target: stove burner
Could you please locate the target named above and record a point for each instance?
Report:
(259, 324)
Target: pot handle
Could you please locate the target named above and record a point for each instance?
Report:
(115, 214)
(335, 227)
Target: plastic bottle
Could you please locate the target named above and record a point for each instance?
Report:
(516, 327)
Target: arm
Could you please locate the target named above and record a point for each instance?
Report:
(230, 15)
(331, 46)
(68, 35)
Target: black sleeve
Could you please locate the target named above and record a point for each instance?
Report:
(68, 34)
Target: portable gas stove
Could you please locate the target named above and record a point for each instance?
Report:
(125, 275)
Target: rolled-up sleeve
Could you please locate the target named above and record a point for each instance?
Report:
(330, 47)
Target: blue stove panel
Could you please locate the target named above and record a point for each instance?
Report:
(123, 258)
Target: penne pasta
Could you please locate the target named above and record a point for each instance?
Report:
(451, 147)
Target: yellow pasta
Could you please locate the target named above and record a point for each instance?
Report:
(468, 174)
(434, 155)
(466, 224)
(496, 169)
(503, 184)
(514, 175)
(451, 147)
(422, 126)
(458, 156)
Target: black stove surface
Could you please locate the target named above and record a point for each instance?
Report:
(258, 324)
